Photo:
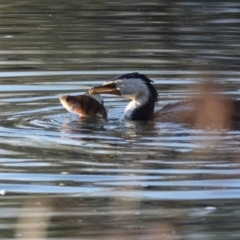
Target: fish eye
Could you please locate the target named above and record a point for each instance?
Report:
(67, 99)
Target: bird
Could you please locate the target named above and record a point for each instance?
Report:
(208, 109)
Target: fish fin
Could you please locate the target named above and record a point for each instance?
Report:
(107, 109)
(97, 97)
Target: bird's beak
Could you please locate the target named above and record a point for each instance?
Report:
(104, 90)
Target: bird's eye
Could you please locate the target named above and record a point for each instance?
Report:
(67, 99)
(113, 85)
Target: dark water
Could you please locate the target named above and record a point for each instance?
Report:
(69, 179)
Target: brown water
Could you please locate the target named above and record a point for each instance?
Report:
(69, 179)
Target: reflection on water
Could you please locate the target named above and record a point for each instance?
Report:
(66, 178)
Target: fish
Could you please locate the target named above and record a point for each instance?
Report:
(86, 105)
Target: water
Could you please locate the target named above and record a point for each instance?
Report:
(69, 179)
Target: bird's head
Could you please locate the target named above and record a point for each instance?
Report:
(130, 85)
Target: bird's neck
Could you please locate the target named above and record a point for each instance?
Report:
(140, 108)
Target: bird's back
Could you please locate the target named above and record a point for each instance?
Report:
(212, 111)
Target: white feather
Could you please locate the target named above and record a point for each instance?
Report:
(135, 89)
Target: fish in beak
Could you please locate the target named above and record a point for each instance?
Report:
(87, 105)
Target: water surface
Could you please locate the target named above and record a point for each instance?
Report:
(69, 179)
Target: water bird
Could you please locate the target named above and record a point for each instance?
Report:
(206, 109)
(86, 105)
